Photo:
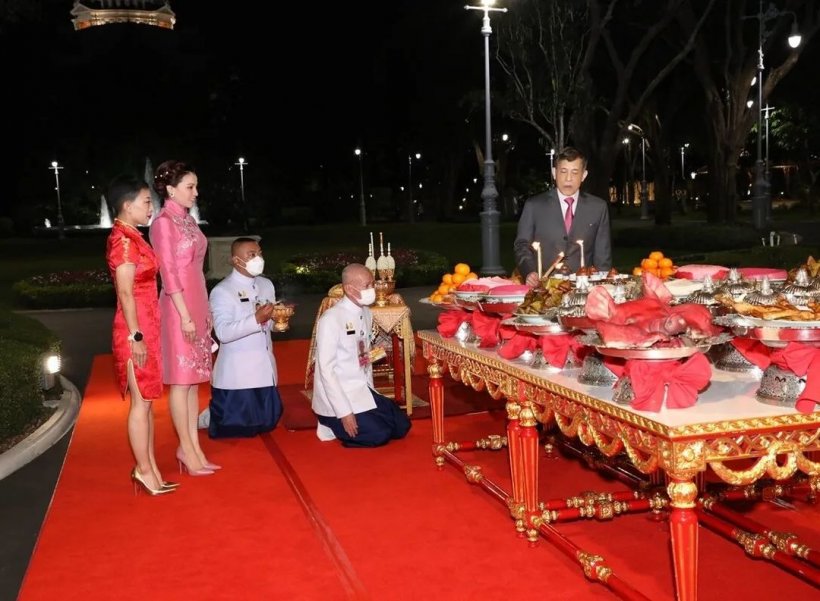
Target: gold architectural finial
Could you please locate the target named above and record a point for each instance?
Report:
(91, 13)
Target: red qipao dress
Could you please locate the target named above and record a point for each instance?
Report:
(127, 246)
(180, 246)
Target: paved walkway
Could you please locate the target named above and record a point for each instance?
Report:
(25, 494)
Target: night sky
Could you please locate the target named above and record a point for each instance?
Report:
(288, 85)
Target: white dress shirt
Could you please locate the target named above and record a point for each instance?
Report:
(341, 385)
(245, 358)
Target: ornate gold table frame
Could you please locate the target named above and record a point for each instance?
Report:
(727, 424)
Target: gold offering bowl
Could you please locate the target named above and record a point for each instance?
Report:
(384, 288)
(281, 317)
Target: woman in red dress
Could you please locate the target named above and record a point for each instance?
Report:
(135, 332)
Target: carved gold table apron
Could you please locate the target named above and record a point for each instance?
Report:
(726, 424)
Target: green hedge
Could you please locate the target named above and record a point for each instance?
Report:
(23, 342)
(65, 290)
(317, 272)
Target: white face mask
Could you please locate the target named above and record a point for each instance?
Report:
(367, 296)
(255, 266)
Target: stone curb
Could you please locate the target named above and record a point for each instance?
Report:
(47, 435)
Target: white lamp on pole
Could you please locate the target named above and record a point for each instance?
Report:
(362, 205)
(55, 166)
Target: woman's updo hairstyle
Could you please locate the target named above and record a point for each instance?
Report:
(170, 173)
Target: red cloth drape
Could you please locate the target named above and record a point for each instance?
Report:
(449, 322)
(682, 381)
(802, 361)
(754, 351)
(515, 342)
(486, 327)
(555, 348)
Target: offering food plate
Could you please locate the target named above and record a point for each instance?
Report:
(537, 318)
(653, 353)
(497, 307)
(546, 328)
(577, 323)
(442, 306)
(773, 332)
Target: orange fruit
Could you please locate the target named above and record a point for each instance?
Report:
(443, 289)
(666, 272)
(649, 264)
(462, 268)
(459, 277)
(471, 276)
(637, 271)
(447, 278)
(665, 263)
(656, 254)
(437, 298)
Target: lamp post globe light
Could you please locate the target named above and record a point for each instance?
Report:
(644, 185)
(761, 195)
(55, 166)
(362, 205)
(490, 217)
(411, 209)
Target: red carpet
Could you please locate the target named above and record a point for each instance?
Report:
(292, 518)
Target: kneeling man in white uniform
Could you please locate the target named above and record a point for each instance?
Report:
(344, 401)
(245, 400)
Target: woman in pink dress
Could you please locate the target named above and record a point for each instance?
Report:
(186, 322)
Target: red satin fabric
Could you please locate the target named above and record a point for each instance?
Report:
(449, 322)
(754, 351)
(556, 348)
(515, 342)
(486, 327)
(682, 380)
(802, 361)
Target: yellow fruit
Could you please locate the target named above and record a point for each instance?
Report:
(471, 276)
(637, 271)
(436, 298)
(666, 272)
(458, 278)
(656, 255)
(650, 264)
(447, 278)
(665, 262)
(462, 268)
(443, 289)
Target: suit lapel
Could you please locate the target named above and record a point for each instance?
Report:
(582, 215)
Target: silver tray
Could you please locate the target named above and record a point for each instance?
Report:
(774, 332)
(546, 328)
(537, 318)
(497, 308)
(653, 353)
(576, 323)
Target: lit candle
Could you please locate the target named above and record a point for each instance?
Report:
(555, 264)
(388, 248)
(581, 244)
(381, 245)
(536, 246)
(372, 246)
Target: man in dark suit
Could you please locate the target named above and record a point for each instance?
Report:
(558, 218)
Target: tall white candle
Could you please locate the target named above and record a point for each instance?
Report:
(537, 248)
(581, 244)
(381, 244)
(372, 246)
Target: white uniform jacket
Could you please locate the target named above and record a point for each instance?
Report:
(340, 384)
(245, 358)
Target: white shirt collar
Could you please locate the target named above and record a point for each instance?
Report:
(564, 203)
(242, 278)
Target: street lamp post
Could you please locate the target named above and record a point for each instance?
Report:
(411, 210)
(55, 166)
(362, 206)
(761, 195)
(490, 217)
(242, 162)
(644, 185)
(767, 110)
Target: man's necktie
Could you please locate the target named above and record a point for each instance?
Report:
(568, 215)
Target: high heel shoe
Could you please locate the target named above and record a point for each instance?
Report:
(138, 481)
(170, 485)
(211, 466)
(183, 468)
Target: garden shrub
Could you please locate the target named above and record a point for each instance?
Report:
(23, 342)
(66, 290)
(317, 272)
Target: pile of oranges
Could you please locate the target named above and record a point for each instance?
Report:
(656, 264)
(450, 281)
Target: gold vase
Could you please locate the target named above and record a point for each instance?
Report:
(281, 317)
(384, 288)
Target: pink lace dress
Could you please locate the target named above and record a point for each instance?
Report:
(180, 247)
